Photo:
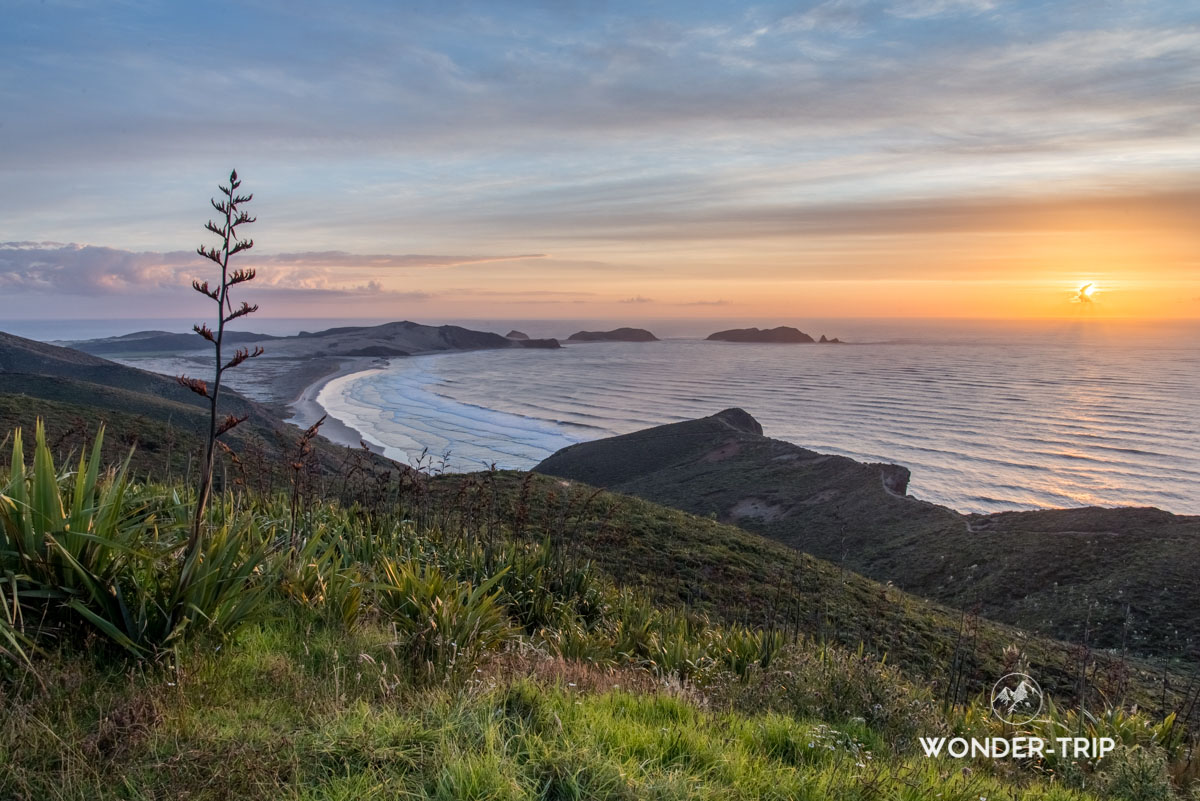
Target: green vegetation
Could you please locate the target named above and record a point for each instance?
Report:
(74, 391)
(303, 711)
(81, 554)
(500, 636)
(1119, 579)
(736, 577)
(166, 436)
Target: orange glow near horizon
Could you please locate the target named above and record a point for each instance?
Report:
(1144, 267)
(965, 159)
(882, 298)
(1144, 274)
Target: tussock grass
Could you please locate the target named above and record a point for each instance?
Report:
(292, 709)
(375, 652)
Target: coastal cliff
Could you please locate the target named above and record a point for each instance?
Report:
(1113, 577)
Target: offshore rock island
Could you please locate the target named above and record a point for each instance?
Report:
(721, 530)
(782, 334)
(616, 335)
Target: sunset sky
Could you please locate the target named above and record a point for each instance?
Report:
(632, 160)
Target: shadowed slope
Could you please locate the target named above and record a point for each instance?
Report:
(738, 576)
(166, 420)
(1107, 577)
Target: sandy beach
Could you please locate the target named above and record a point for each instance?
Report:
(297, 368)
(306, 409)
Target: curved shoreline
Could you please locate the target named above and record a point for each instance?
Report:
(306, 409)
(1029, 486)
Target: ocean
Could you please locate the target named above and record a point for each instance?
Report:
(987, 416)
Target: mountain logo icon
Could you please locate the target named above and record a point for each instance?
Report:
(1017, 699)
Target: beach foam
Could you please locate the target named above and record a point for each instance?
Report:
(984, 425)
(395, 409)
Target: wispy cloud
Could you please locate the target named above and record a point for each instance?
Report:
(342, 259)
(925, 9)
(469, 79)
(629, 215)
(513, 293)
(626, 139)
(50, 267)
(86, 269)
(372, 290)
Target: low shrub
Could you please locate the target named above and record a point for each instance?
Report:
(445, 624)
(816, 682)
(1136, 773)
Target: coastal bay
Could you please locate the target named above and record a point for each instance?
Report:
(306, 408)
(985, 423)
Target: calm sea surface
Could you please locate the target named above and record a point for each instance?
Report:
(986, 417)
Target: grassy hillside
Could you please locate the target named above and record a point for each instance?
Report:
(383, 633)
(293, 710)
(19, 356)
(77, 392)
(1109, 578)
(456, 642)
(675, 557)
(740, 577)
(166, 437)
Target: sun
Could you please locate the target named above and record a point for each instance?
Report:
(1084, 293)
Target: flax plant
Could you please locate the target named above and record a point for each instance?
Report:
(13, 643)
(230, 206)
(90, 551)
(446, 625)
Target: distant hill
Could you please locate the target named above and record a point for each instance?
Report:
(158, 342)
(616, 335)
(389, 339)
(290, 364)
(77, 391)
(1115, 578)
